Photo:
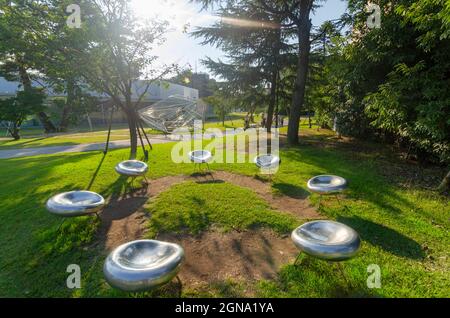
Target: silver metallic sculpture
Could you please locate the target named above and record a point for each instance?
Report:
(327, 184)
(200, 156)
(268, 163)
(171, 113)
(75, 203)
(132, 168)
(143, 265)
(327, 240)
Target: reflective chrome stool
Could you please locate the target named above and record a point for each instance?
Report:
(199, 157)
(143, 265)
(132, 169)
(75, 203)
(326, 240)
(267, 163)
(327, 185)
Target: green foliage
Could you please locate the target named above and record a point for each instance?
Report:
(414, 104)
(392, 83)
(17, 109)
(222, 105)
(256, 47)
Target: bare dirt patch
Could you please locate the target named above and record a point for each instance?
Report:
(124, 218)
(298, 206)
(214, 256)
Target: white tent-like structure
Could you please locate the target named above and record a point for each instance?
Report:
(173, 112)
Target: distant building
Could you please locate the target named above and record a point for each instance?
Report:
(155, 93)
(201, 82)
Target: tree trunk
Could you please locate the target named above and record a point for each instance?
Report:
(46, 122)
(15, 131)
(298, 98)
(132, 125)
(273, 81)
(67, 110)
(64, 122)
(43, 118)
(445, 184)
(270, 108)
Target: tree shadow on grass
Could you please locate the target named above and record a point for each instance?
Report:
(94, 176)
(33, 143)
(384, 237)
(290, 190)
(24, 141)
(363, 180)
(319, 278)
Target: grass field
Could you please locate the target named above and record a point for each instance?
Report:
(38, 139)
(403, 224)
(35, 137)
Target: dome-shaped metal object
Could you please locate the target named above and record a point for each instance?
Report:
(268, 161)
(75, 203)
(143, 265)
(200, 156)
(327, 184)
(327, 240)
(131, 168)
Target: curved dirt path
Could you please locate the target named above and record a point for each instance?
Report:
(124, 218)
(294, 205)
(212, 257)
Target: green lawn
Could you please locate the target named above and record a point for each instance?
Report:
(66, 139)
(35, 137)
(404, 229)
(188, 208)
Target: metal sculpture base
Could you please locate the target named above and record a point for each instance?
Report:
(180, 289)
(301, 256)
(181, 286)
(199, 165)
(336, 196)
(200, 157)
(299, 260)
(97, 217)
(129, 185)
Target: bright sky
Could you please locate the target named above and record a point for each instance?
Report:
(183, 15)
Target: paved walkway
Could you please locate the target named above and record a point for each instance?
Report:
(28, 152)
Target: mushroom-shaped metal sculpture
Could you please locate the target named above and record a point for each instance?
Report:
(327, 240)
(75, 203)
(267, 163)
(132, 168)
(200, 156)
(327, 184)
(143, 265)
